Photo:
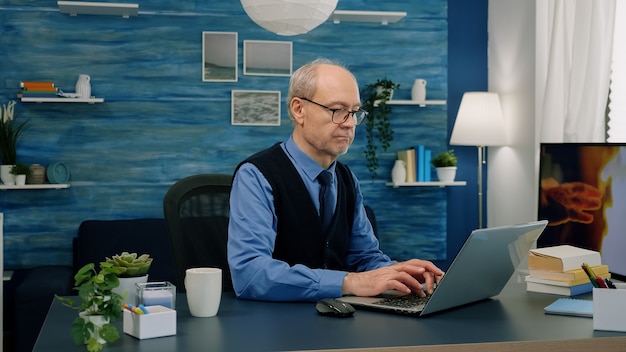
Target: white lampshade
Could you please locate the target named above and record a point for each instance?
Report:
(479, 121)
(289, 17)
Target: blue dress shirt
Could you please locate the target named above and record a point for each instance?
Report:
(252, 235)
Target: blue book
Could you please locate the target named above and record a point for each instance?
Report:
(420, 163)
(571, 306)
(427, 171)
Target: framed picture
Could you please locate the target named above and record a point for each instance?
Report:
(219, 56)
(255, 107)
(267, 58)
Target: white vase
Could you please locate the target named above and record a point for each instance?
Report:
(6, 176)
(398, 172)
(83, 86)
(418, 92)
(446, 174)
(20, 180)
(98, 322)
(128, 286)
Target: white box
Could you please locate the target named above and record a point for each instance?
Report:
(160, 321)
(609, 309)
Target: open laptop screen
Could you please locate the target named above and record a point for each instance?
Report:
(582, 193)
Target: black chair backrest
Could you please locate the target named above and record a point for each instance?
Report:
(196, 212)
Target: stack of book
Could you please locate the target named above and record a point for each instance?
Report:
(417, 163)
(38, 90)
(558, 270)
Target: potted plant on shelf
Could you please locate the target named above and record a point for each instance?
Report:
(133, 270)
(10, 132)
(445, 165)
(377, 127)
(20, 171)
(98, 307)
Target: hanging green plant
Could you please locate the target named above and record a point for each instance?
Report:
(377, 127)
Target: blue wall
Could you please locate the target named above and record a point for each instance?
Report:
(160, 122)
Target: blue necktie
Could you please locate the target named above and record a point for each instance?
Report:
(325, 178)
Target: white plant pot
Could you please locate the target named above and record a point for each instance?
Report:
(128, 285)
(98, 322)
(6, 176)
(20, 180)
(446, 174)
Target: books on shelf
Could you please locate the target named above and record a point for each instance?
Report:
(570, 306)
(38, 86)
(570, 275)
(562, 258)
(408, 157)
(417, 163)
(37, 90)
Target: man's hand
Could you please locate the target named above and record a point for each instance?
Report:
(404, 277)
(568, 201)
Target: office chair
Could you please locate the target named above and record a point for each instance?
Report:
(196, 211)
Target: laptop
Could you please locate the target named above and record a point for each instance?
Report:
(489, 256)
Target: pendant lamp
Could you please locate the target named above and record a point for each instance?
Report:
(289, 17)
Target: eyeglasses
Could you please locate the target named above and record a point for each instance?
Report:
(340, 116)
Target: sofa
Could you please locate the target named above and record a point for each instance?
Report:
(34, 289)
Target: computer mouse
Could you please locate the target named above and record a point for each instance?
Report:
(335, 308)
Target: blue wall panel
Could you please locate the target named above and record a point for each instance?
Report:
(160, 122)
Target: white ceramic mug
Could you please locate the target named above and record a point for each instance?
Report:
(204, 291)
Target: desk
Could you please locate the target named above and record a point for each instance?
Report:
(514, 315)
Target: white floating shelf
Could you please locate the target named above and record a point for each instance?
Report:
(74, 8)
(383, 17)
(62, 100)
(413, 102)
(427, 184)
(41, 186)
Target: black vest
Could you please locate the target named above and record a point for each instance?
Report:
(300, 238)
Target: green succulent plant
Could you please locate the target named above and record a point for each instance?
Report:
(130, 265)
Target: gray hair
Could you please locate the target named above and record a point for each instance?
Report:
(303, 81)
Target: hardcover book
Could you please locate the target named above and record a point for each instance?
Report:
(559, 290)
(562, 258)
(570, 275)
(584, 280)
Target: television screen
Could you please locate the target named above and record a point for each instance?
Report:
(582, 194)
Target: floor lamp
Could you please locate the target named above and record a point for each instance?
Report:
(479, 122)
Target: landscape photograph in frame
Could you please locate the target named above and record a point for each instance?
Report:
(267, 58)
(255, 107)
(219, 56)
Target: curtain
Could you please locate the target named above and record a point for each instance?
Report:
(575, 39)
(617, 105)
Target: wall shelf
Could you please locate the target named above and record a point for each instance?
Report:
(384, 17)
(74, 8)
(40, 186)
(426, 184)
(413, 102)
(62, 100)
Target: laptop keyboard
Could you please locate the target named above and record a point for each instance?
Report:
(408, 301)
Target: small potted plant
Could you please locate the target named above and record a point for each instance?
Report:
(445, 165)
(99, 306)
(21, 172)
(10, 132)
(133, 270)
(377, 127)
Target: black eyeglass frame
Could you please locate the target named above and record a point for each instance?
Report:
(354, 114)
